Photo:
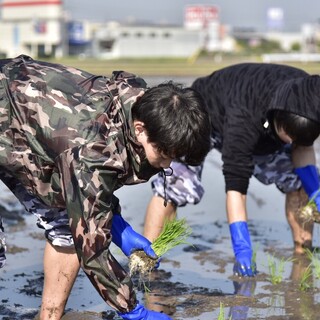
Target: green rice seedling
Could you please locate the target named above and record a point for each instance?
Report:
(315, 261)
(174, 233)
(221, 315)
(276, 270)
(304, 284)
(254, 259)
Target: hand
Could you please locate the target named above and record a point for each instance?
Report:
(127, 239)
(141, 313)
(242, 250)
(310, 181)
(243, 265)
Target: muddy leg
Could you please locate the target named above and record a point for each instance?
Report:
(61, 267)
(301, 230)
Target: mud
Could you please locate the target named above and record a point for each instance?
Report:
(194, 282)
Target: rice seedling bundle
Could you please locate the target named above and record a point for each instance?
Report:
(309, 212)
(174, 233)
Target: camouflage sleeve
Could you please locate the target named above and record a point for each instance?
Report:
(182, 187)
(89, 178)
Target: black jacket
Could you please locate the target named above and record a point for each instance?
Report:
(239, 98)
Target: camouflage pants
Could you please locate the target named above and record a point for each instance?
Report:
(184, 185)
(2, 245)
(54, 221)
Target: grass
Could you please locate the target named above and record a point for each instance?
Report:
(254, 259)
(221, 315)
(315, 262)
(174, 233)
(304, 283)
(200, 66)
(276, 270)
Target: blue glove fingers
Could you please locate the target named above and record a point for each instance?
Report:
(309, 178)
(244, 268)
(141, 313)
(242, 249)
(127, 239)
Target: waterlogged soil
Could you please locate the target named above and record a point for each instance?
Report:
(195, 281)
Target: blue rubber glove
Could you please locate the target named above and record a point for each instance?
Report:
(141, 313)
(2, 245)
(127, 239)
(241, 244)
(310, 181)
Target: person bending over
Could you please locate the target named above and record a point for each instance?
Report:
(68, 140)
(265, 119)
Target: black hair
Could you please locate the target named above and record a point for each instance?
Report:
(176, 120)
(301, 130)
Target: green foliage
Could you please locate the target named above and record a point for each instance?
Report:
(276, 270)
(254, 259)
(304, 284)
(315, 262)
(221, 315)
(296, 47)
(258, 46)
(174, 233)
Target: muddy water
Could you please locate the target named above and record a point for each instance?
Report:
(194, 281)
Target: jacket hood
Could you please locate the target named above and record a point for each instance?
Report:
(300, 96)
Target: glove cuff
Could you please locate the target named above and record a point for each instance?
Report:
(119, 225)
(309, 178)
(139, 312)
(240, 237)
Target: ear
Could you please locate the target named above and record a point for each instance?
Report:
(138, 127)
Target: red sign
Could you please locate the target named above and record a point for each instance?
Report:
(203, 14)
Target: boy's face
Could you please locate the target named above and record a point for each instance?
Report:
(155, 158)
(283, 135)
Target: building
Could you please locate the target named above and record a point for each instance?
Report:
(40, 28)
(33, 27)
(114, 40)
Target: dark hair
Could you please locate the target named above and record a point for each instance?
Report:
(176, 120)
(301, 130)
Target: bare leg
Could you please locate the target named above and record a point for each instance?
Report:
(61, 267)
(156, 216)
(301, 230)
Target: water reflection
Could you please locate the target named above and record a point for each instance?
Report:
(245, 288)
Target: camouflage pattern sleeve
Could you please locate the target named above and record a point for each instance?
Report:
(66, 136)
(88, 188)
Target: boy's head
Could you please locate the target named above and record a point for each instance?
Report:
(302, 131)
(295, 109)
(176, 122)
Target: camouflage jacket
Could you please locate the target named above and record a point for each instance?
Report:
(67, 136)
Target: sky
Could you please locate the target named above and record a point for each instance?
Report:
(235, 13)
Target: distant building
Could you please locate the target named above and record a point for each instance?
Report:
(40, 28)
(201, 30)
(114, 40)
(33, 27)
